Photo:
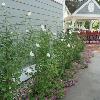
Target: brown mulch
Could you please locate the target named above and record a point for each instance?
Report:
(93, 47)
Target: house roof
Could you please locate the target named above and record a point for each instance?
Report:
(89, 10)
(74, 5)
(66, 12)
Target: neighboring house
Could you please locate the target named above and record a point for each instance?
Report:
(73, 5)
(41, 12)
(88, 11)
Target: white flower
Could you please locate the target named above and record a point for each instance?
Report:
(68, 45)
(14, 80)
(3, 4)
(48, 54)
(62, 39)
(10, 88)
(70, 32)
(78, 31)
(37, 45)
(54, 33)
(72, 46)
(43, 28)
(29, 13)
(31, 54)
(27, 31)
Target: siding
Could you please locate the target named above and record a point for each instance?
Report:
(44, 12)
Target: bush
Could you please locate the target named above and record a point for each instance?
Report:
(52, 58)
(47, 76)
(13, 56)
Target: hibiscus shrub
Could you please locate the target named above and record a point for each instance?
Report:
(52, 57)
(47, 77)
(68, 50)
(14, 53)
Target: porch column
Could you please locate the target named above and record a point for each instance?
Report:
(79, 25)
(83, 25)
(91, 22)
(73, 23)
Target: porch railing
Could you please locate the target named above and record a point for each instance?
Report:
(90, 36)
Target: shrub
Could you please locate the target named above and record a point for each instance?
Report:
(14, 52)
(52, 58)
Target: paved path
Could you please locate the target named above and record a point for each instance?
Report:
(88, 87)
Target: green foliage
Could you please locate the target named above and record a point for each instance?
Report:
(13, 55)
(87, 25)
(52, 58)
(47, 76)
(96, 25)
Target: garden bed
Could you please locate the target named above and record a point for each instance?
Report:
(58, 61)
(71, 80)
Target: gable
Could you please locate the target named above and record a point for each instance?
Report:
(73, 5)
(90, 7)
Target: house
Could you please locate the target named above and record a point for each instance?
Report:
(48, 13)
(88, 11)
(22, 14)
